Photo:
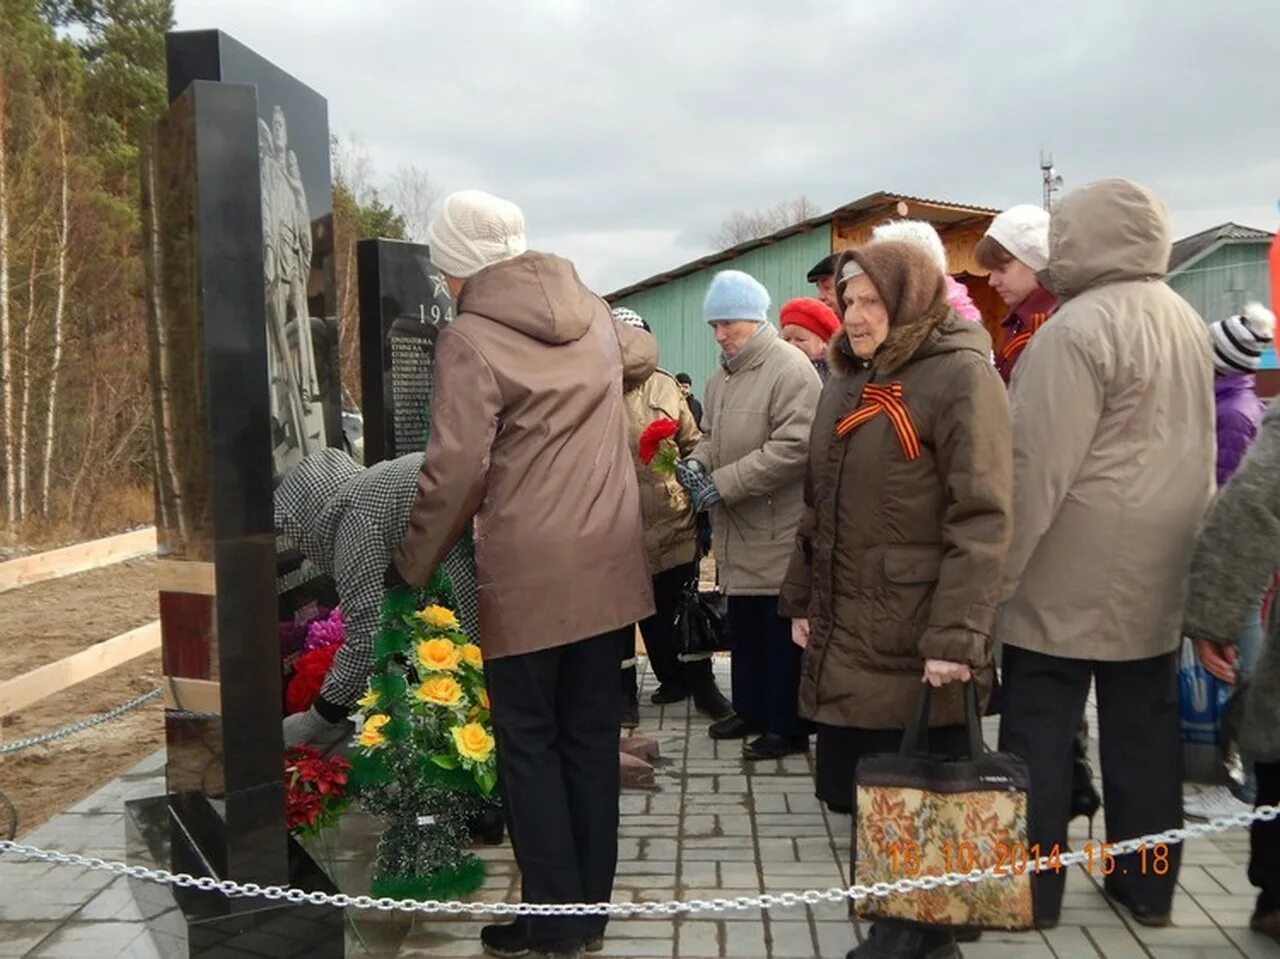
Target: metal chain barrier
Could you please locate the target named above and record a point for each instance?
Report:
(629, 909)
(81, 726)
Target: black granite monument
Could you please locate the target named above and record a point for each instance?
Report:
(238, 236)
(404, 304)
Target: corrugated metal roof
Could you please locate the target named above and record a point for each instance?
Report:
(1193, 247)
(868, 202)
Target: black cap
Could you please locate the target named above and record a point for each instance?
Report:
(684, 378)
(824, 267)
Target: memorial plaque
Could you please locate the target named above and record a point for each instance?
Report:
(404, 304)
(226, 349)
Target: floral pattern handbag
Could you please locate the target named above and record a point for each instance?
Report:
(921, 815)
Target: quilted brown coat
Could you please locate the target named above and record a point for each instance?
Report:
(898, 559)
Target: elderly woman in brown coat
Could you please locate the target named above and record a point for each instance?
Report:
(896, 570)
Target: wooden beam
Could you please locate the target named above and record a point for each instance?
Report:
(56, 563)
(196, 695)
(186, 576)
(44, 681)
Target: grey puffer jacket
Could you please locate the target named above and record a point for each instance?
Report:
(1234, 559)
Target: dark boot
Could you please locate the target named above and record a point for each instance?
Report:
(515, 941)
(487, 826)
(896, 941)
(773, 746)
(712, 703)
(1085, 800)
(630, 698)
(631, 710)
(669, 693)
(735, 727)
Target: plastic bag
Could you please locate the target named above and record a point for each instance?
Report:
(1202, 702)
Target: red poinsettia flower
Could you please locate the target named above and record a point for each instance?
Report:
(315, 790)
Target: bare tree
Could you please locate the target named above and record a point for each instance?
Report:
(6, 365)
(24, 426)
(412, 193)
(744, 225)
(353, 167)
(59, 310)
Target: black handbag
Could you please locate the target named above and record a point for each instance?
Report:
(701, 625)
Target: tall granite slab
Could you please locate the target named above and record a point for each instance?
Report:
(404, 303)
(243, 373)
(298, 268)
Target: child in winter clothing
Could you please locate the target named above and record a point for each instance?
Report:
(1238, 343)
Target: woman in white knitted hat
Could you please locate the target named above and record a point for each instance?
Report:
(527, 439)
(1014, 250)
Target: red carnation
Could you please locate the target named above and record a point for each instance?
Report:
(308, 676)
(656, 441)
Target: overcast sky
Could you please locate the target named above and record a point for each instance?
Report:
(628, 131)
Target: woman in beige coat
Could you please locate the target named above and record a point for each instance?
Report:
(670, 540)
(1113, 451)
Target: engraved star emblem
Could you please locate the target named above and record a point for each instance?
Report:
(439, 287)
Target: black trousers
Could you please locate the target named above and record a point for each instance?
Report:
(659, 636)
(765, 666)
(556, 718)
(1141, 752)
(1264, 841)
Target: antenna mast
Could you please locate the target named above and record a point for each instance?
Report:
(1049, 178)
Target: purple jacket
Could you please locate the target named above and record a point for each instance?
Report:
(1238, 412)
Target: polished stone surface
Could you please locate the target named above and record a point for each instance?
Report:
(403, 305)
(243, 341)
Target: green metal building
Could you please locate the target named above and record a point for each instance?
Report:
(671, 302)
(1221, 269)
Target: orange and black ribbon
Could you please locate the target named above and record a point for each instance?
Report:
(886, 400)
(1017, 343)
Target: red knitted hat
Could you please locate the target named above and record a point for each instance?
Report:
(814, 315)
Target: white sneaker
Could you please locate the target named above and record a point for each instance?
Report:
(1213, 803)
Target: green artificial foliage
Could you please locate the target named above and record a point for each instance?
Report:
(452, 883)
(424, 758)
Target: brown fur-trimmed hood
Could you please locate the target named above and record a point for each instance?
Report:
(920, 321)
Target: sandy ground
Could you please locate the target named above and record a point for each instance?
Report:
(44, 623)
(51, 620)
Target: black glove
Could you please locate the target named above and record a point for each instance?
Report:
(392, 579)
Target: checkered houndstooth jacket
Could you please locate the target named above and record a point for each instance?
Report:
(348, 520)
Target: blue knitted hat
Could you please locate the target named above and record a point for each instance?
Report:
(734, 295)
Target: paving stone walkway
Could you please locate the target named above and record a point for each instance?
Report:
(713, 827)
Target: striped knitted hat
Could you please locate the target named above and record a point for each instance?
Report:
(630, 317)
(1239, 340)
